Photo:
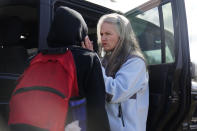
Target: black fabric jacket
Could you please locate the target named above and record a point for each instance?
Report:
(91, 85)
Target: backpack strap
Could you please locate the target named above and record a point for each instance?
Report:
(40, 88)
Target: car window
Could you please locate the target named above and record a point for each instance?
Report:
(169, 33)
(149, 31)
(150, 38)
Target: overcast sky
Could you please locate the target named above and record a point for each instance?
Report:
(121, 5)
(191, 10)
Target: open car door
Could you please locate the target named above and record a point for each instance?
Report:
(161, 29)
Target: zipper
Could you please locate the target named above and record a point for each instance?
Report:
(120, 114)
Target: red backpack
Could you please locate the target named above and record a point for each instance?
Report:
(41, 97)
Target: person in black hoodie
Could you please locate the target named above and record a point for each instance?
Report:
(68, 30)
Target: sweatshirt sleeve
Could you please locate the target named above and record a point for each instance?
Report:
(130, 78)
(95, 95)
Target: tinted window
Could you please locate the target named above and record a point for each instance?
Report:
(150, 28)
(169, 33)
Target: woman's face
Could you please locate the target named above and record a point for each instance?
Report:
(109, 36)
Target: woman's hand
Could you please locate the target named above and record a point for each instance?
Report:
(87, 44)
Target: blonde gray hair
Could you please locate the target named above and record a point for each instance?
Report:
(127, 44)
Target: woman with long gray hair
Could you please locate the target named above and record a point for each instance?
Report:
(125, 73)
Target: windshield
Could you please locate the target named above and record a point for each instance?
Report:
(119, 5)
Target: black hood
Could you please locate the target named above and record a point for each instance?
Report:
(68, 28)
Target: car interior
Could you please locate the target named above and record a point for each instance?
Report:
(18, 43)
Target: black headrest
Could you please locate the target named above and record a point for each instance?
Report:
(68, 28)
(10, 30)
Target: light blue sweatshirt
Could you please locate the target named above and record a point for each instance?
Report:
(130, 80)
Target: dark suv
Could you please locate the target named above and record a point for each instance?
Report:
(161, 29)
